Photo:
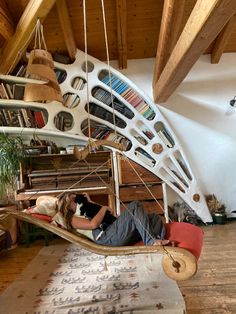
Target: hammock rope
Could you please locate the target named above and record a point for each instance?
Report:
(108, 64)
(86, 69)
(113, 110)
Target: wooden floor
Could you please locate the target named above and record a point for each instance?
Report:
(212, 290)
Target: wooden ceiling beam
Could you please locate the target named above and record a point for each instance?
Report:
(66, 27)
(170, 29)
(11, 53)
(221, 41)
(121, 17)
(6, 24)
(205, 22)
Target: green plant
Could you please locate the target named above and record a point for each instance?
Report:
(11, 154)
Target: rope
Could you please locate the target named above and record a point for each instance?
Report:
(86, 66)
(38, 36)
(114, 194)
(74, 184)
(175, 264)
(20, 52)
(141, 179)
(108, 63)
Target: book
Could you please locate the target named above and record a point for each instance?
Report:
(166, 138)
(145, 158)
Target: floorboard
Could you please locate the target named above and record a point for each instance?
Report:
(213, 289)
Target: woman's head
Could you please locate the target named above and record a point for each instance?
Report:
(66, 206)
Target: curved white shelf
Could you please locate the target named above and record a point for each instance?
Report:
(149, 138)
(21, 80)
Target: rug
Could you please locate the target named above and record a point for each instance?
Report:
(64, 278)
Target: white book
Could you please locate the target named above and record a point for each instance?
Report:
(146, 160)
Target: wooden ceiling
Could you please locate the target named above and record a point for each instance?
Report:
(176, 32)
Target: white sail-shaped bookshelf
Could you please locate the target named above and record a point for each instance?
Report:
(140, 126)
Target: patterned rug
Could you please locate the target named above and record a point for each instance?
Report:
(65, 278)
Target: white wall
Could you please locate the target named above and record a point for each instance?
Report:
(198, 112)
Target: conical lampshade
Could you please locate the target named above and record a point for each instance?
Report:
(41, 67)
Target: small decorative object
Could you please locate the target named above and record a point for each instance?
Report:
(180, 211)
(157, 148)
(217, 209)
(196, 197)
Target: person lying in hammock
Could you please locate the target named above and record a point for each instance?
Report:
(133, 225)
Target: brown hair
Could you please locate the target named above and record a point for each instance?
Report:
(63, 206)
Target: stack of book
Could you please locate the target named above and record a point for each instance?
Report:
(109, 99)
(103, 114)
(131, 96)
(11, 90)
(71, 100)
(61, 75)
(63, 121)
(78, 83)
(102, 132)
(23, 117)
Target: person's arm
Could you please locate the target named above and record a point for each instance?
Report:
(86, 224)
(90, 201)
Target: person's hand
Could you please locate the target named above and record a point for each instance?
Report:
(87, 196)
(108, 209)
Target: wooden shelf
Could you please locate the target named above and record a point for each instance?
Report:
(34, 194)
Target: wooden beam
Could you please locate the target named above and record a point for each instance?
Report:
(6, 24)
(35, 9)
(204, 24)
(221, 41)
(66, 27)
(169, 33)
(121, 17)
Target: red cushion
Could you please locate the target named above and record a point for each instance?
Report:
(42, 217)
(185, 235)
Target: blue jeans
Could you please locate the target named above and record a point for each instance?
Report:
(133, 225)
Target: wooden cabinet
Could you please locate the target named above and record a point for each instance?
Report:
(137, 183)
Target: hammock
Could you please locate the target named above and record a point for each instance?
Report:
(179, 263)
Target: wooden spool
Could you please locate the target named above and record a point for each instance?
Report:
(183, 266)
(41, 67)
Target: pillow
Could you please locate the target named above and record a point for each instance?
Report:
(45, 205)
(59, 219)
(42, 217)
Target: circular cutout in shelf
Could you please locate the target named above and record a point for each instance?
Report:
(71, 100)
(90, 66)
(61, 75)
(78, 83)
(63, 121)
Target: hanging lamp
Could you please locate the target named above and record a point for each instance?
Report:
(40, 66)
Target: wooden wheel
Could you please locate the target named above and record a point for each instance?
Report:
(179, 264)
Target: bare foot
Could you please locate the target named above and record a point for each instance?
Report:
(12, 247)
(161, 242)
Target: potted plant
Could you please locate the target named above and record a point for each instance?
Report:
(11, 155)
(217, 209)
